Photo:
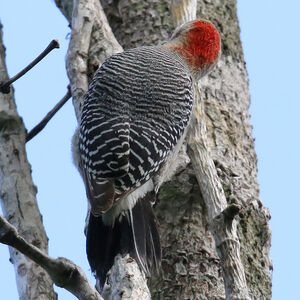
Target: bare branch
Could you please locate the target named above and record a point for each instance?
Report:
(40, 126)
(220, 216)
(92, 41)
(5, 86)
(62, 271)
(183, 11)
(127, 280)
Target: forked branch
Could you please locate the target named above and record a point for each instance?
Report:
(62, 271)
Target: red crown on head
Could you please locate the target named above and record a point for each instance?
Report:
(199, 43)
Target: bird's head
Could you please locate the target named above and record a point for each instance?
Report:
(198, 43)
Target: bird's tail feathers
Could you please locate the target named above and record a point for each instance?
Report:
(146, 241)
(133, 232)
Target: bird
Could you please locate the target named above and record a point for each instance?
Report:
(134, 119)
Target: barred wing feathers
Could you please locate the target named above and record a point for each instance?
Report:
(137, 108)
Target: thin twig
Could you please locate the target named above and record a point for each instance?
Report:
(62, 271)
(5, 86)
(40, 126)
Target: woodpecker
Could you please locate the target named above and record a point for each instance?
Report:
(134, 119)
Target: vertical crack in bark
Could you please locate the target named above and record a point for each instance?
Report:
(18, 201)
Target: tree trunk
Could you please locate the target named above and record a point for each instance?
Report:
(18, 196)
(191, 266)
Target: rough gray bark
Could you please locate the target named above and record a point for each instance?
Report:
(18, 196)
(127, 282)
(226, 97)
(220, 216)
(191, 267)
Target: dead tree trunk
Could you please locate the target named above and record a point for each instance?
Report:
(18, 196)
(191, 266)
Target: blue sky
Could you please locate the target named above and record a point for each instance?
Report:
(270, 36)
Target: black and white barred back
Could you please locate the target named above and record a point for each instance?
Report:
(133, 122)
(134, 114)
(137, 108)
